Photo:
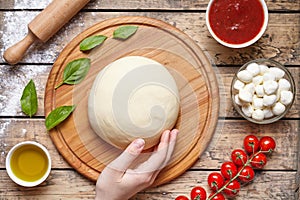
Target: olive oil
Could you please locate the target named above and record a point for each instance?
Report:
(29, 163)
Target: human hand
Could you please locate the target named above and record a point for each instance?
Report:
(119, 182)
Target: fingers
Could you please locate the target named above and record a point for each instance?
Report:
(171, 147)
(163, 153)
(123, 162)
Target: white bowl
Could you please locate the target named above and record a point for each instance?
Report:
(242, 45)
(18, 180)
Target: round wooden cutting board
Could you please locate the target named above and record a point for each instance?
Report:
(192, 71)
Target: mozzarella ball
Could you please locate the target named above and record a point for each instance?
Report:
(237, 100)
(286, 97)
(263, 69)
(253, 68)
(258, 115)
(279, 73)
(257, 80)
(269, 100)
(270, 87)
(245, 76)
(238, 85)
(269, 76)
(284, 84)
(247, 110)
(257, 103)
(259, 90)
(250, 87)
(245, 95)
(278, 108)
(268, 112)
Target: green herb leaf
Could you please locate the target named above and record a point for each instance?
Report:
(28, 100)
(91, 42)
(58, 115)
(124, 32)
(75, 71)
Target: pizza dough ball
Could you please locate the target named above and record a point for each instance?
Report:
(133, 97)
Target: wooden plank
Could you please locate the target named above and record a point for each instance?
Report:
(280, 41)
(285, 5)
(228, 136)
(17, 77)
(67, 184)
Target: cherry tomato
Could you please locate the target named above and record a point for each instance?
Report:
(239, 157)
(251, 144)
(247, 174)
(215, 181)
(219, 196)
(232, 188)
(181, 197)
(259, 160)
(198, 193)
(228, 170)
(267, 144)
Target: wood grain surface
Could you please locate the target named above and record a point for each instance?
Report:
(282, 46)
(268, 185)
(154, 5)
(281, 42)
(17, 77)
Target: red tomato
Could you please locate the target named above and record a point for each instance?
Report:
(219, 196)
(228, 170)
(251, 144)
(239, 157)
(181, 197)
(247, 174)
(267, 144)
(215, 181)
(198, 193)
(232, 188)
(259, 161)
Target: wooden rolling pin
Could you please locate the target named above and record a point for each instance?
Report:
(44, 25)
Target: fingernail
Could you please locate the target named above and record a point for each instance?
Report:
(174, 134)
(139, 144)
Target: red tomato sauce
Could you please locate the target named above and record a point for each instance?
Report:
(236, 21)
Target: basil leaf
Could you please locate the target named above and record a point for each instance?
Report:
(124, 32)
(58, 115)
(91, 42)
(75, 71)
(29, 103)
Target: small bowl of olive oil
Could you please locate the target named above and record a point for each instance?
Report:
(28, 163)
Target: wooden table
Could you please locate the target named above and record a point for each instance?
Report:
(279, 179)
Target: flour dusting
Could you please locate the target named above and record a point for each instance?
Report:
(15, 81)
(21, 4)
(3, 134)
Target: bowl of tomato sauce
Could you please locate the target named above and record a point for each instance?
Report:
(237, 23)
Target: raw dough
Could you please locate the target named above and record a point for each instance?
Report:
(133, 97)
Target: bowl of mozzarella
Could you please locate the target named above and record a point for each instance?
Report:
(262, 91)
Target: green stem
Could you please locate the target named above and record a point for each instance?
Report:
(236, 176)
(59, 85)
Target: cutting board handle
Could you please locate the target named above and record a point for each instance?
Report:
(16, 52)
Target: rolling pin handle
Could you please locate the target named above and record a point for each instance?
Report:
(16, 52)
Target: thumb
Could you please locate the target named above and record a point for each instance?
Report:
(133, 150)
